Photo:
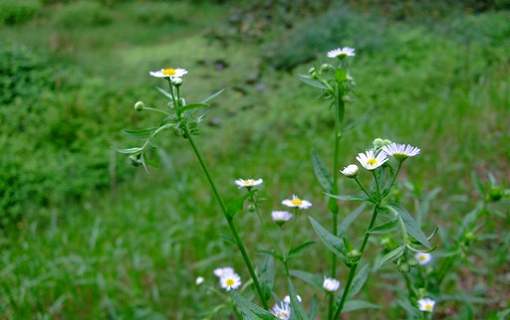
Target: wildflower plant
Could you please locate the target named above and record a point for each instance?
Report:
(373, 172)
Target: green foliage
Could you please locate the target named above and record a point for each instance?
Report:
(17, 12)
(82, 14)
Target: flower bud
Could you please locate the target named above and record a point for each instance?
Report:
(379, 143)
(139, 105)
(351, 171)
(314, 73)
(176, 81)
(354, 254)
(495, 193)
(325, 67)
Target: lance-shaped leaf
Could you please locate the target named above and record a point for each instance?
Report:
(298, 311)
(139, 133)
(249, 310)
(313, 83)
(298, 249)
(321, 173)
(165, 93)
(412, 226)
(348, 197)
(194, 106)
(314, 308)
(392, 255)
(384, 227)
(310, 278)
(359, 280)
(350, 218)
(353, 305)
(332, 242)
(266, 276)
(130, 150)
(212, 96)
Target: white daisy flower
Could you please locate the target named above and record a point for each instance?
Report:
(350, 171)
(331, 284)
(287, 299)
(281, 311)
(295, 202)
(172, 73)
(248, 183)
(230, 281)
(199, 281)
(423, 258)
(341, 52)
(401, 151)
(426, 305)
(281, 217)
(220, 272)
(370, 161)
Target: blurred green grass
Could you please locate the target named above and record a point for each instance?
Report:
(102, 240)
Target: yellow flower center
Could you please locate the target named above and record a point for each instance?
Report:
(249, 181)
(296, 202)
(372, 162)
(169, 71)
(230, 282)
(422, 258)
(428, 306)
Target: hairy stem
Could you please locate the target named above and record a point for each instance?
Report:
(230, 221)
(352, 272)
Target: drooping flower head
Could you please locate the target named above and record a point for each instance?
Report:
(280, 217)
(281, 310)
(341, 52)
(371, 160)
(426, 305)
(331, 284)
(350, 171)
(296, 202)
(401, 151)
(423, 258)
(248, 183)
(230, 281)
(220, 272)
(172, 73)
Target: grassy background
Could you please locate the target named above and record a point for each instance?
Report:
(85, 235)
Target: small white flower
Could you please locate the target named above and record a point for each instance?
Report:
(230, 281)
(220, 272)
(370, 161)
(350, 171)
(426, 305)
(248, 183)
(199, 281)
(281, 216)
(295, 202)
(401, 151)
(423, 258)
(281, 311)
(341, 52)
(287, 299)
(172, 73)
(331, 284)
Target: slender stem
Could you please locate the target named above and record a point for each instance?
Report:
(352, 272)
(230, 221)
(332, 202)
(394, 178)
(362, 187)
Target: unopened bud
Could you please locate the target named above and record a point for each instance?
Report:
(176, 81)
(379, 143)
(139, 105)
(354, 254)
(326, 67)
(495, 193)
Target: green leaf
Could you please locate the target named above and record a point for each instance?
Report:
(353, 305)
(297, 249)
(249, 310)
(348, 197)
(332, 242)
(314, 308)
(266, 276)
(384, 227)
(359, 280)
(349, 219)
(298, 310)
(321, 173)
(312, 279)
(139, 133)
(313, 83)
(165, 93)
(212, 96)
(392, 255)
(194, 106)
(130, 150)
(412, 226)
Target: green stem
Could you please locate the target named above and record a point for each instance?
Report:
(230, 221)
(352, 272)
(332, 202)
(394, 178)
